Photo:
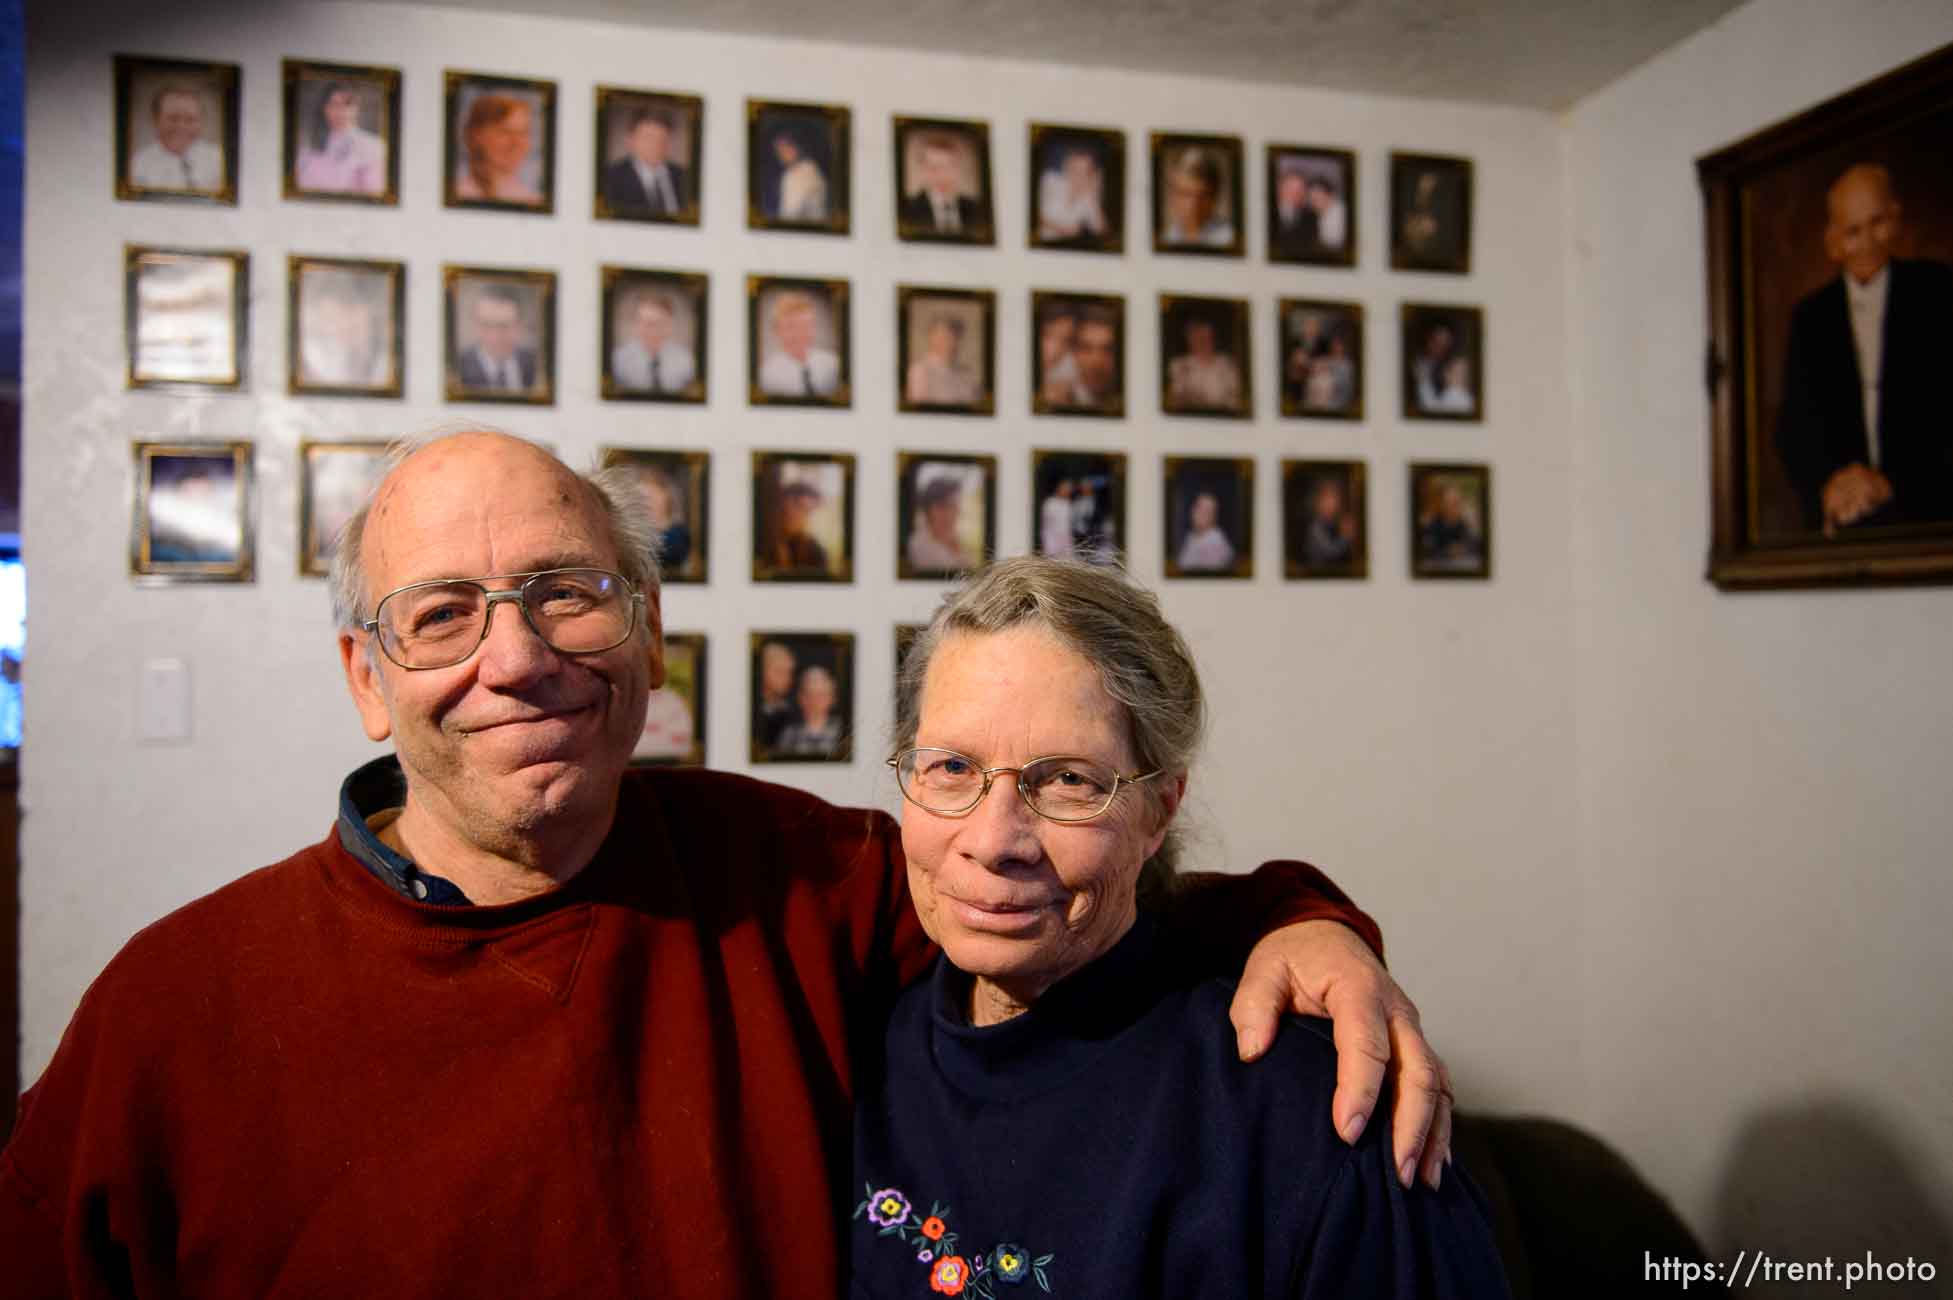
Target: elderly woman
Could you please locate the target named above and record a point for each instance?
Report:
(1055, 1110)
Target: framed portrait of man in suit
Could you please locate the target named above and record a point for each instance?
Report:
(1830, 240)
(176, 129)
(649, 160)
(501, 335)
(654, 335)
(942, 181)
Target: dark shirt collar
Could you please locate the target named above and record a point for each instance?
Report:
(1062, 1033)
(371, 789)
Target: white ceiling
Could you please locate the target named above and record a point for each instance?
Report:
(1534, 53)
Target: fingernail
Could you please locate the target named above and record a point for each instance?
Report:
(1353, 1127)
(1437, 1175)
(1244, 1043)
(1406, 1170)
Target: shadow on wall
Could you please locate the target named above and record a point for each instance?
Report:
(1832, 1177)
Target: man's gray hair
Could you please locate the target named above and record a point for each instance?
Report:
(1111, 621)
(633, 533)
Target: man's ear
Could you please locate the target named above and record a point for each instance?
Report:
(363, 680)
(654, 632)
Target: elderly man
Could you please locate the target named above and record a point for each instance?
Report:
(179, 158)
(528, 1021)
(1862, 429)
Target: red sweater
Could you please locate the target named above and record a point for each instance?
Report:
(305, 1084)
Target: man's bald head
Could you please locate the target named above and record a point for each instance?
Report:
(1863, 212)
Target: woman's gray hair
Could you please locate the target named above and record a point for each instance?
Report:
(1111, 621)
(633, 533)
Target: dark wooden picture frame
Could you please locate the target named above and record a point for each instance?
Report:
(1319, 351)
(961, 380)
(955, 152)
(1079, 496)
(161, 348)
(470, 372)
(1312, 212)
(777, 727)
(782, 193)
(677, 485)
(1192, 175)
(1209, 516)
(674, 720)
(807, 541)
(1450, 519)
(1062, 217)
(485, 116)
(656, 334)
(357, 161)
(784, 313)
(1856, 189)
(1443, 350)
(334, 480)
(346, 323)
(150, 103)
(176, 503)
(940, 531)
(1206, 357)
(1430, 213)
(667, 126)
(1071, 373)
(1325, 519)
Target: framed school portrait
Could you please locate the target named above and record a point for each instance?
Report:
(942, 181)
(501, 143)
(947, 350)
(946, 513)
(650, 160)
(1450, 520)
(802, 697)
(797, 332)
(334, 481)
(797, 167)
(346, 320)
(674, 720)
(676, 486)
(342, 132)
(1325, 519)
(1078, 189)
(501, 335)
(1210, 516)
(1311, 205)
(184, 321)
(654, 335)
(176, 129)
(1078, 354)
(193, 509)
(1204, 357)
(1430, 213)
(1197, 195)
(1443, 347)
(1079, 504)
(1319, 346)
(803, 517)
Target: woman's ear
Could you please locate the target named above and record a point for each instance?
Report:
(1167, 794)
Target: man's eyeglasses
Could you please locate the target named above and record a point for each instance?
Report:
(438, 624)
(1060, 788)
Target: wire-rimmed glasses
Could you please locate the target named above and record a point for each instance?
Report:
(1059, 787)
(439, 624)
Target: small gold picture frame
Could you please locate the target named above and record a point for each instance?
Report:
(345, 327)
(1325, 519)
(1205, 357)
(334, 481)
(945, 513)
(801, 697)
(1197, 206)
(797, 342)
(803, 516)
(185, 317)
(501, 334)
(942, 181)
(650, 156)
(674, 721)
(946, 359)
(797, 167)
(1078, 188)
(1210, 516)
(176, 129)
(500, 153)
(677, 487)
(1078, 354)
(192, 513)
(342, 133)
(655, 335)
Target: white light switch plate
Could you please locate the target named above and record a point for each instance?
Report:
(163, 706)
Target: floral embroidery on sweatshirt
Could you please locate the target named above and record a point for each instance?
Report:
(951, 1272)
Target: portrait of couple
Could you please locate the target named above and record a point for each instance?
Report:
(802, 697)
(1078, 357)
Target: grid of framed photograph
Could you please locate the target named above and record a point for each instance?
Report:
(1204, 357)
(1325, 519)
(797, 349)
(1430, 213)
(1210, 516)
(176, 129)
(1078, 197)
(334, 480)
(797, 166)
(942, 181)
(1078, 354)
(803, 517)
(946, 350)
(501, 143)
(184, 317)
(1197, 195)
(501, 334)
(1081, 504)
(347, 319)
(1311, 205)
(674, 720)
(946, 506)
(654, 335)
(192, 517)
(1450, 520)
(677, 490)
(650, 156)
(342, 133)
(1444, 362)
(1321, 349)
(802, 697)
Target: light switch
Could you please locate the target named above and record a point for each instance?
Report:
(163, 711)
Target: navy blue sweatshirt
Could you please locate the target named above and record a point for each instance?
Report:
(1109, 1142)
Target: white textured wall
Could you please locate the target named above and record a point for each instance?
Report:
(1765, 834)
(1413, 739)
